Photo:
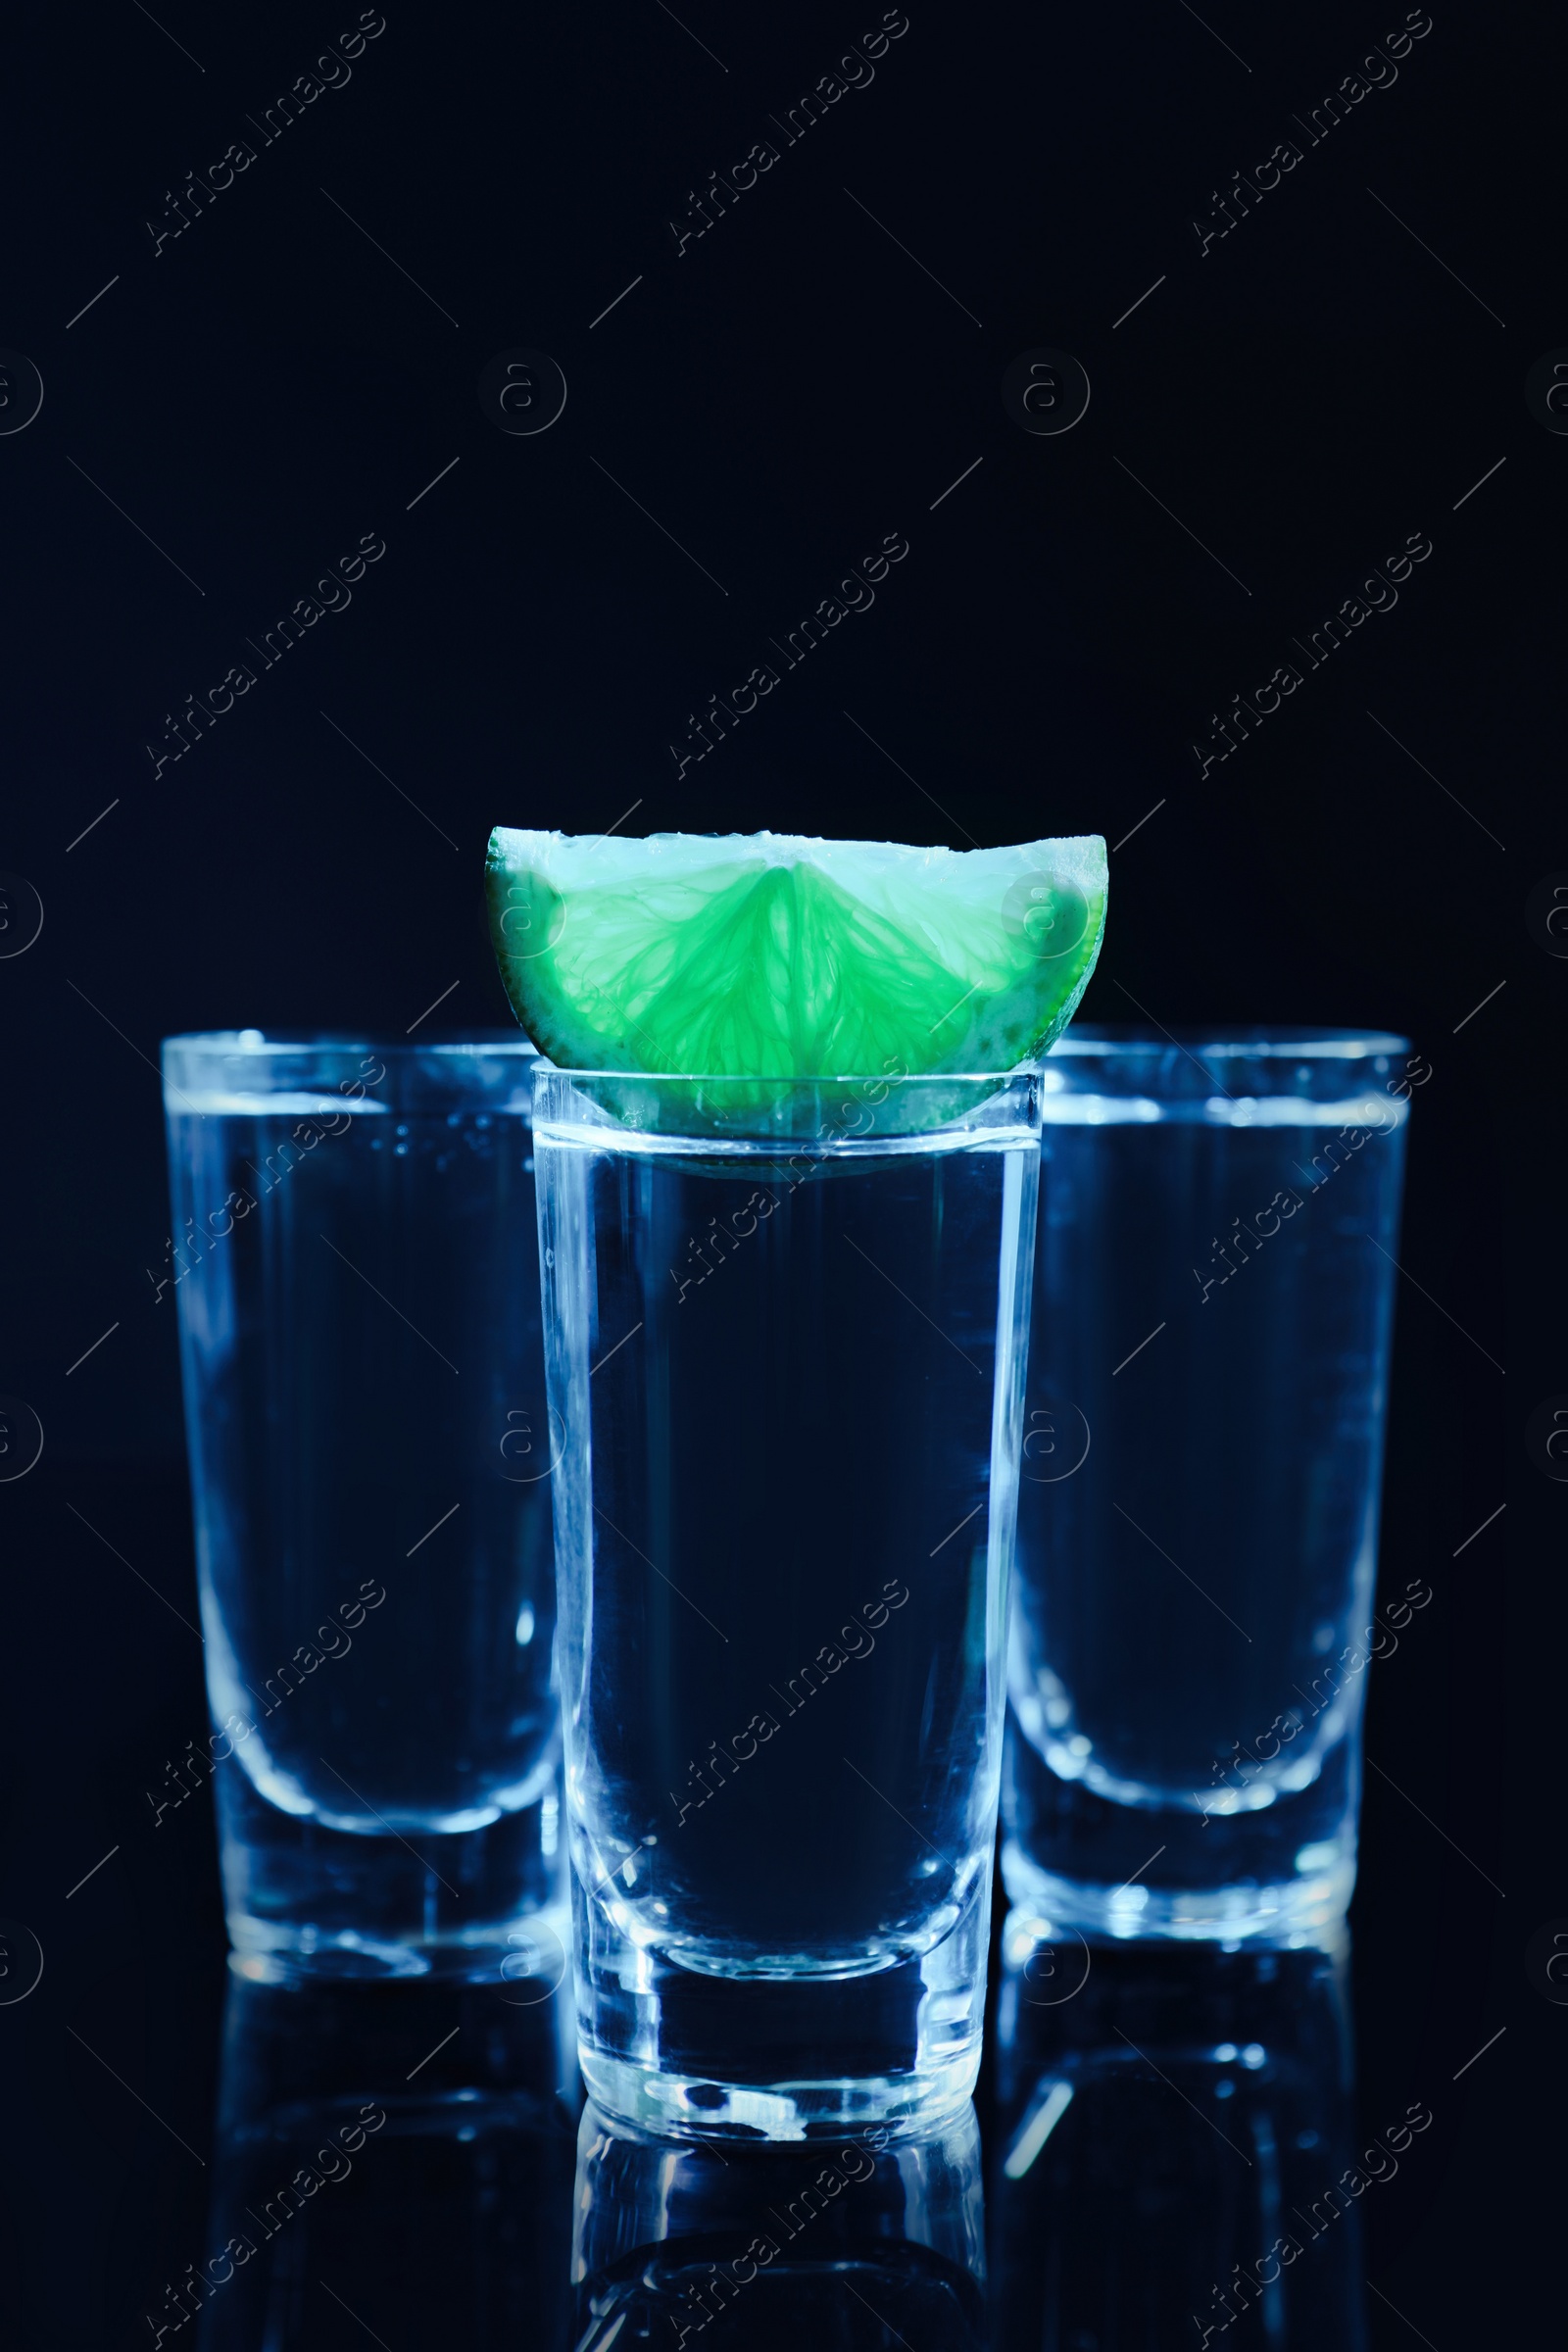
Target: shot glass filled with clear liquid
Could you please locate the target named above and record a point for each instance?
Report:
(784, 1333)
(356, 1269)
(1194, 1624)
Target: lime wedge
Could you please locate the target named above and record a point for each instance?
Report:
(766, 955)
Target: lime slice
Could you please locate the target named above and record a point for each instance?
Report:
(766, 955)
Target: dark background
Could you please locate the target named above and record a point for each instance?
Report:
(231, 416)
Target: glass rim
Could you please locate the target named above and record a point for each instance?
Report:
(701, 1116)
(992, 1078)
(1276, 1040)
(263, 1042)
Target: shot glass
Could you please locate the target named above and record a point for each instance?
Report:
(1193, 1622)
(355, 1267)
(784, 1329)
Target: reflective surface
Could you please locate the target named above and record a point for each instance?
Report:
(1175, 2155)
(367, 2179)
(860, 2243)
(1171, 2158)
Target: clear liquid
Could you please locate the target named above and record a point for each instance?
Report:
(784, 1515)
(1198, 1512)
(370, 1442)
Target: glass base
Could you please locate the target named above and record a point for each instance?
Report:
(304, 1902)
(779, 2058)
(696, 2107)
(1280, 1873)
(1299, 1912)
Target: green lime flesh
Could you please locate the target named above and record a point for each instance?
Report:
(772, 956)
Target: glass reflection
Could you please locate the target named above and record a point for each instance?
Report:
(862, 2244)
(392, 2164)
(1171, 2165)
(1174, 2125)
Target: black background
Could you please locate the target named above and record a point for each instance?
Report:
(234, 413)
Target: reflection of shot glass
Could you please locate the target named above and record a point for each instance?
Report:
(355, 1266)
(1174, 2147)
(402, 2156)
(1199, 1504)
(858, 2239)
(783, 1328)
